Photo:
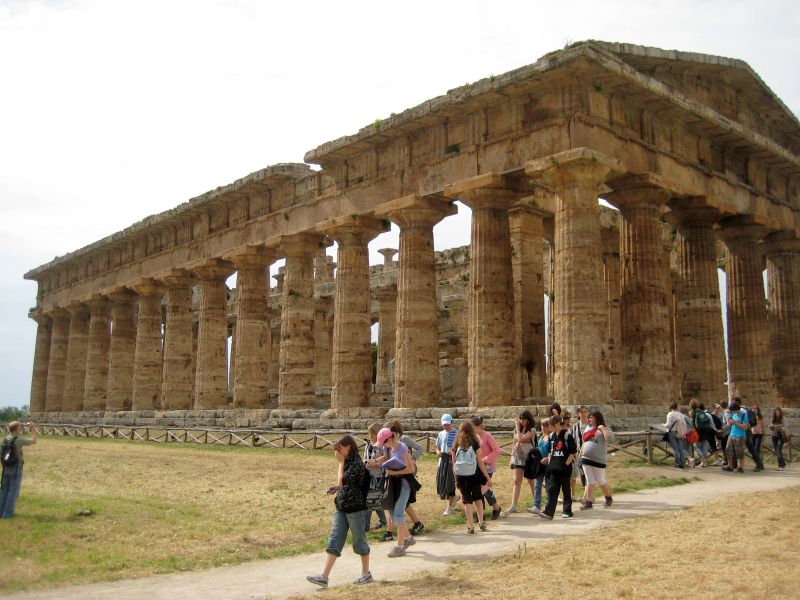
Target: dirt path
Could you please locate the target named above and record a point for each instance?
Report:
(280, 578)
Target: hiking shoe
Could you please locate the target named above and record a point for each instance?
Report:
(483, 526)
(609, 500)
(387, 537)
(740, 470)
(416, 528)
(545, 516)
(534, 510)
(320, 580)
(586, 506)
(495, 513)
(396, 551)
(365, 578)
(470, 530)
(758, 469)
(409, 541)
(727, 468)
(448, 511)
(509, 511)
(567, 516)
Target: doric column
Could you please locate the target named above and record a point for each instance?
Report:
(178, 378)
(388, 254)
(279, 278)
(323, 341)
(699, 342)
(387, 327)
(783, 278)
(611, 275)
(581, 314)
(123, 350)
(75, 374)
(416, 365)
(644, 313)
(351, 369)
(95, 393)
(211, 374)
(749, 349)
(296, 379)
(253, 333)
(549, 283)
(57, 361)
(491, 356)
(147, 365)
(527, 248)
(322, 274)
(41, 359)
(275, 357)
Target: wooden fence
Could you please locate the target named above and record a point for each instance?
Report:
(640, 445)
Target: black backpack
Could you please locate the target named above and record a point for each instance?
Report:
(8, 454)
(751, 419)
(702, 421)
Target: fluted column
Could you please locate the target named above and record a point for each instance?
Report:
(644, 312)
(749, 349)
(177, 383)
(387, 328)
(783, 282)
(41, 359)
(253, 332)
(527, 248)
(296, 379)
(323, 341)
(123, 350)
(351, 369)
(211, 374)
(75, 374)
(147, 365)
(95, 393)
(549, 283)
(581, 314)
(699, 342)
(416, 364)
(57, 361)
(611, 273)
(491, 357)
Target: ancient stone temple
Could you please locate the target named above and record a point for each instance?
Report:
(556, 297)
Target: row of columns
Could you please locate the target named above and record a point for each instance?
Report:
(505, 362)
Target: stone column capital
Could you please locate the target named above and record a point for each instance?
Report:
(416, 211)
(212, 270)
(251, 256)
(40, 317)
(147, 287)
(300, 244)
(177, 279)
(352, 230)
(741, 229)
(781, 242)
(77, 308)
(59, 313)
(121, 295)
(97, 302)
(693, 211)
(490, 190)
(637, 190)
(523, 208)
(580, 166)
(388, 255)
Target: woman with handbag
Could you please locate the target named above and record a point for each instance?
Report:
(524, 439)
(350, 511)
(676, 432)
(780, 436)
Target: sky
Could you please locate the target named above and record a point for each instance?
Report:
(111, 111)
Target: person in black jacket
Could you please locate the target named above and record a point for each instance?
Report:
(563, 450)
(350, 512)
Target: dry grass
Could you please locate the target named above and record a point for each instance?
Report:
(692, 553)
(160, 508)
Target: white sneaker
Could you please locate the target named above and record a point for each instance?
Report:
(533, 510)
(509, 511)
(448, 511)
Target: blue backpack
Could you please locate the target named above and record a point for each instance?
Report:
(466, 462)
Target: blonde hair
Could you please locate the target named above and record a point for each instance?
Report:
(374, 428)
(15, 426)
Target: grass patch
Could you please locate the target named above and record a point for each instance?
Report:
(168, 508)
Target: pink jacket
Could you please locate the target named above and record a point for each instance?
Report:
(490, 448)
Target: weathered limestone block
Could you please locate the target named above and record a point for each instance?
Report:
(783, 276)
(211, 376)
(527, 243)
(351, 370)
(749, 349)
(122, 351)
(41, 359)
(646, 352)
(416, 369)
(699, 342)
(579, 301)
(253, 331)
(147, 364)
(296, 377)
(75, 373)
(95, 393)
(178, 380)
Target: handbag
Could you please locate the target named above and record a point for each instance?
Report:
(693, 436)
(785, 436)
(376, 492)
(665, 437)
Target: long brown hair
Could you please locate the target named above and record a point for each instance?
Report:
(531, 422)
(466, 436)
(349, 442)
(777, 420)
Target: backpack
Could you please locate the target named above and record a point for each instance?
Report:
(702, 421)
(466, 462)
(374, 489)
(751, 418)
(8, 453)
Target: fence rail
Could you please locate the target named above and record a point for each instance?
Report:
(639, 445)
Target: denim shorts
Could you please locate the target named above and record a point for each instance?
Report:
(356, 523)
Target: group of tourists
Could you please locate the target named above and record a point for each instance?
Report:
(724, 435)
(384, 480)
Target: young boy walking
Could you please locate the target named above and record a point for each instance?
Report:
(563, 450)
